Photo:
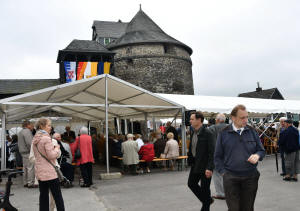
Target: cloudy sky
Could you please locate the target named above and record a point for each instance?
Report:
(236, 43)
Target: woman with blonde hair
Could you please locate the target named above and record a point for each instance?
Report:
(45, 152)
(171, 150)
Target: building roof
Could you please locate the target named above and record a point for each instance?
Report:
(142, 29)
(109, 28)
(264, 94)
(86, 45)
(83, 47)
(20, 86)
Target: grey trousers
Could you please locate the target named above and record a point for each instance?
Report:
(28, 168)
(292, 163)
(218, 182)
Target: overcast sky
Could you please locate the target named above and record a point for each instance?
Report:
(235, 42)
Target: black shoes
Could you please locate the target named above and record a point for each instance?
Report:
(290, 179)
(219, 197)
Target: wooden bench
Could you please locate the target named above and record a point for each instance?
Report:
(179, 164)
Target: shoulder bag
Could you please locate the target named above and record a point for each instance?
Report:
(77, 154)
(60, 175)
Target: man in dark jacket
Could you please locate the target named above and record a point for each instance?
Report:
(217, 177)
(171, 129)
(237, 152)
(289, 142)
(69, 134)
(200, 158)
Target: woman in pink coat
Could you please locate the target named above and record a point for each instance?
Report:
(84, 142)
(44, 171)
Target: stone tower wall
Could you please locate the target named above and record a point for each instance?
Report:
(156, 67)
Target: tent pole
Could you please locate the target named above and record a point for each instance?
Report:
(3, 144)
(146, 123)
(183, 137)
(131, 126)
(106, 127)
(125, 126)
(153, 124)
(118, 125)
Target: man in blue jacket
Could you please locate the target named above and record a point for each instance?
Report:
(289, 142)
(238, 149)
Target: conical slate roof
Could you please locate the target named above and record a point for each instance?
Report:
(142, 29)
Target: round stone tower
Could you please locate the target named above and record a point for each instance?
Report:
(149, 58)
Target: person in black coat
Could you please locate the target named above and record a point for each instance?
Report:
(289, 142)
(200, 158)
(171, 129)
(69, 134)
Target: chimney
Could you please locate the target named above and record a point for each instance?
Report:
(258, 89)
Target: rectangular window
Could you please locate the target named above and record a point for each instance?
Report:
(106, 41)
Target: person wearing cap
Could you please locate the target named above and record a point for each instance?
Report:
(280, 129)
(289, 142)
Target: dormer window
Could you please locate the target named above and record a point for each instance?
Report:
(106, 41)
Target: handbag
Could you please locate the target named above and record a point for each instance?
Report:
(60, 175)
(77, 154)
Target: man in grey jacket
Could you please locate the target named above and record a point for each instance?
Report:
(217, 177)
(24, 143)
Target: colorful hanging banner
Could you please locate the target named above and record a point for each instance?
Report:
(106, 67)
(94, 69)
(100, 68)
(81, 69)
(87, 71)
(90, 70)
(70, 70)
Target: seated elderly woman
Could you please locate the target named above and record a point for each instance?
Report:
(147, 153)
(171, 150)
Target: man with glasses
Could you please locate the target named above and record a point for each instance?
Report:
(238, 150)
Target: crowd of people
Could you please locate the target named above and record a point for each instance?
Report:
(226, 153)
(229, 154)
(42, 154)
(135, 148)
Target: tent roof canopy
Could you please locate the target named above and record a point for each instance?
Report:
(218, 104)
(86, 99)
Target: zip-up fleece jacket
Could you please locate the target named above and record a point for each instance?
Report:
(233, 150)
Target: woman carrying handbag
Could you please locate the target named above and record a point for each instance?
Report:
(86, 159)
(45, 172)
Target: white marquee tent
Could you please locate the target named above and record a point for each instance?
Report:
(95, 98)
(103, 97)
(218, 104)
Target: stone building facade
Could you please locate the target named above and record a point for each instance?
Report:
(146, 56)
(150, 67)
